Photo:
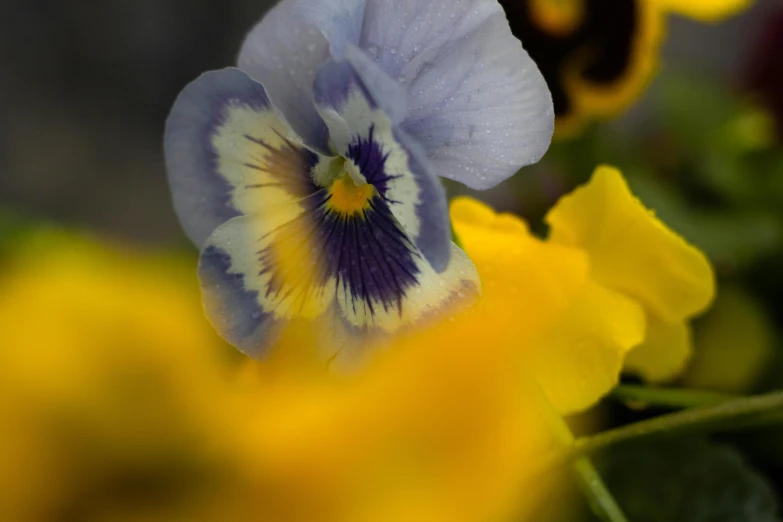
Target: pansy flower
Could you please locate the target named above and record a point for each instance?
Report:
(309, 175)
(598, 55)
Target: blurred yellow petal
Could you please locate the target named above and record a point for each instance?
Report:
(663, 354)
(112, 376)
(630, 250)
(705, 10)
(734, 344)
(571, 332)
(109, 376)
(440, 427)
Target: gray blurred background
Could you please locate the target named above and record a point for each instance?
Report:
(86, 86)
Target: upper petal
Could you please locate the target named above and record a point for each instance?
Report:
(340, 21)
(476, 101)
(386, 157)
(227, 153)
(283, 52)
(631, 250)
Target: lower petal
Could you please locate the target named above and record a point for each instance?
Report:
(383, 282)
(430, 296)
(390, 160)
(232, 307)
(256, 274)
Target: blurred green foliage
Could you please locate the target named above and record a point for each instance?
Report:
(733, 344)
(689, 480)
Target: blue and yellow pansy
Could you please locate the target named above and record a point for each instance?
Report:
(309, 176)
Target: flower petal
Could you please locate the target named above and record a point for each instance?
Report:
(571, 332)
(388, 94)
(476, 101)
(258, 273)
(630, 250)
(387, 158)
(339, 20)
(432, 429)
(428, 296)
(350, 274)
(227, 153)
(283, 52)
(663, 354)
(479, 105)
(705, 10)
(233, 308)
(579, 360)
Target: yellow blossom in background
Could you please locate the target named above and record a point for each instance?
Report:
(604, 292)
(441, 425)
(119, 404)
(704, 10)
(598, 57)
(634, 253)
(114, 397)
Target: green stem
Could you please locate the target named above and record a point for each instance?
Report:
(598, 496)
(601, 500)
(675, 398)
(741, 412)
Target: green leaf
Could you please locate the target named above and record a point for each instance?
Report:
(703, 115)
(687, 480)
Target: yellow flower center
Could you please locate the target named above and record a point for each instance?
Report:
(558, 17)
(348, 198)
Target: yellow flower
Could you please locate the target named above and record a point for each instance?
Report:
(441, 425)
(572, 333)
(114, 375)
(634, 253)
(114, 395)
(583, 303)
(117, 404)
(597, 57)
